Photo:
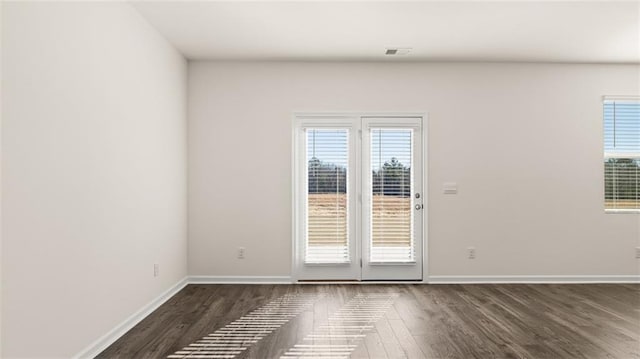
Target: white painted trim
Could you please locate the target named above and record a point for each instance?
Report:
(350, 114)
(622, 98)
(425, 196)
(119, 330)
(436, 279)
(362, 282)
(533, 279)
(294, 198)
(621, 210)
(240, 279)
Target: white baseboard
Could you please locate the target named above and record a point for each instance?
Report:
(533, 279)
(239, 279)
(114, 334)
(446, 279)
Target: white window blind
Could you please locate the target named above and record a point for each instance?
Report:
(327, 234)
(391, 196)
(622, 154)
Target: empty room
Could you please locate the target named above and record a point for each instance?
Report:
(320, 179)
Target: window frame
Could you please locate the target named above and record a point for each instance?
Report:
(612, 154)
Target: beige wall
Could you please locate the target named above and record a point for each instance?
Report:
(1, 180)
(523, 142)
(94, 172)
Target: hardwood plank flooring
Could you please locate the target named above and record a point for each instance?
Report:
(424, 321)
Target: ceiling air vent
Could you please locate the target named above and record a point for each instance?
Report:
(394, 51)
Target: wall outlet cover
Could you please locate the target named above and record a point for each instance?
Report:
(471, 252)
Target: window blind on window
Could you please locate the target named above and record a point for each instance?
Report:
(391, 196)
(622, 154)
(327, 234)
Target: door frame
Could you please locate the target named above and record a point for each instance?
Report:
(296, 117)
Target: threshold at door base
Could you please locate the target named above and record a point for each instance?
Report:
(403, 281)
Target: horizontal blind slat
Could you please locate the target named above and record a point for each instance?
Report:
(327, 235)
(391, 227)
(622, 154)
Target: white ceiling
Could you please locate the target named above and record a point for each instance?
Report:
(573, 31)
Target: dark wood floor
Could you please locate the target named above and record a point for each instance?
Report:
(425, 321)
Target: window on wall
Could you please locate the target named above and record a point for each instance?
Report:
(622, 154)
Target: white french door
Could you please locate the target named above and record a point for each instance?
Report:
(326, 210)
(392, 201)
(358, 198)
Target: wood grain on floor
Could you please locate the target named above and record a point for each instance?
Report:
(425, 321)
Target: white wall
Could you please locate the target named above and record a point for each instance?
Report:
(523, 141)
(0, 181)
(94, 172)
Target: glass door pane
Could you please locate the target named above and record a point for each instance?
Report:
(327, 239)
(391, 210)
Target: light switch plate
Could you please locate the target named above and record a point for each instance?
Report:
(450, 188)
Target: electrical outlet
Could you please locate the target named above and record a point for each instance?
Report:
(156, 269)
(240, 252)
(637, 252)
(471, 252)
